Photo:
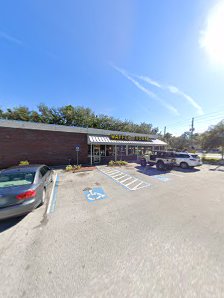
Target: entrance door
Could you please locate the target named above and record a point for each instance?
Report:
(96, 154)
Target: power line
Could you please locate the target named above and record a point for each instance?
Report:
(205, 116)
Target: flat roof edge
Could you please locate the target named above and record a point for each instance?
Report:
(64, 128)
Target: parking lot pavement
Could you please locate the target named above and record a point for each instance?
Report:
(105, 240)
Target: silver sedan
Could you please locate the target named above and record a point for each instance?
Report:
(22, 189)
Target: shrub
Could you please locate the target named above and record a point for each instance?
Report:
(111, 163)
(69, 168)
(75, 168)
(24, 163)
(122, 163)
(117, 163)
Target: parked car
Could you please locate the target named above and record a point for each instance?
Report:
(164, 160)
(22, 189)
(187, 160)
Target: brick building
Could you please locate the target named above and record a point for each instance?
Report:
(56, 144)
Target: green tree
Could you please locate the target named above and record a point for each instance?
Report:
(75, 116)
(214, 137)
(17, 113)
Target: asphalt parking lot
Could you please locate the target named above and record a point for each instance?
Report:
(120, 232)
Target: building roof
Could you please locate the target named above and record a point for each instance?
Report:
(64, 128)
(104, 140)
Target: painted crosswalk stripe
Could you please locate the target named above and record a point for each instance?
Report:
(121, 177)
(126, 179)
(117, 175)
(138, 184)
(130, 182)
(111, 172)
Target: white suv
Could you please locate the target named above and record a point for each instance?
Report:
(187, 160)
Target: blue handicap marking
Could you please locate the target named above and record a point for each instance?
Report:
(154, 173)
(161, 178)
(95, 194)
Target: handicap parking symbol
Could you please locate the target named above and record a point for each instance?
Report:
(95, 194)
(161, 178)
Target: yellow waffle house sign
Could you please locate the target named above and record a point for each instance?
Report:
(129, 138)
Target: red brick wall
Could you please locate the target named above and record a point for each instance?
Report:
(40, 146)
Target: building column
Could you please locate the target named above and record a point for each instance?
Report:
(126, 150)
(91, 146)
(115, 152)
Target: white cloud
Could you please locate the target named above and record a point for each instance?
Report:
(10, 38)
(150, 81)
(146, 90)
(174, 90)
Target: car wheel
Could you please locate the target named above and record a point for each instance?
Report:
(43, 197)
(184, 165)
(160, 166)
(143, 163)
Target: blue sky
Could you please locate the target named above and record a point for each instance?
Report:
(149, 60)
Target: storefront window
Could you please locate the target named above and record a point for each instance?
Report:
(141, 150)
(110, 150)
(121, 149)
(131, 150)
(96, 150)
(102, 150)
(148, 150)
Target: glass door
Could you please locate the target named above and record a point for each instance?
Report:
(96, 154)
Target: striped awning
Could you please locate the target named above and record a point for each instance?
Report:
(104, 140)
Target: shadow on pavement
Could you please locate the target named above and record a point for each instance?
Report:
(9, 223)
(152, 171)
(190, 170)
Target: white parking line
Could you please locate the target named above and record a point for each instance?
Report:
(126, 179)
(121, 177)
(117, 175)
(111, 172)
(131, 182)
(138, 184)
(50, 203)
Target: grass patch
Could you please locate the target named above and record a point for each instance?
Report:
(211, 160)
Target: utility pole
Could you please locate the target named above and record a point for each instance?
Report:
(192, 131)
(164, 131)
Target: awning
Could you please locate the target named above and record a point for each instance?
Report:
(104, 140)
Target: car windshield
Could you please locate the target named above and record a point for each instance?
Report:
(16, 179)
